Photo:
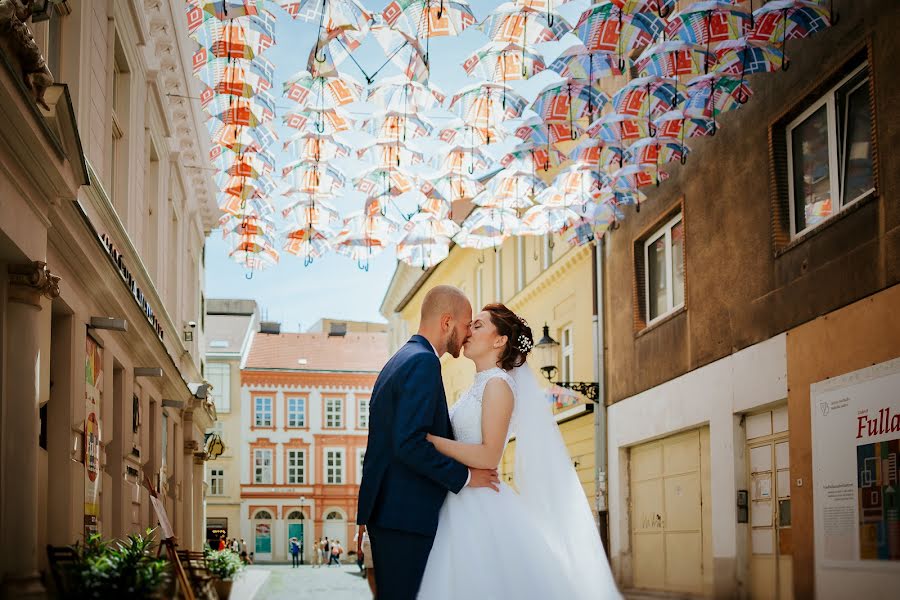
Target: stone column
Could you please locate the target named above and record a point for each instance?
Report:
(31, 287)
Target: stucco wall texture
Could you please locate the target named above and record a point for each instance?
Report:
(740, 287)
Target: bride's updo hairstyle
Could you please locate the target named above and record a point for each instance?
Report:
(518, 334)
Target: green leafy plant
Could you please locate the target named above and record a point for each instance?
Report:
(104, 569)
(224, 564)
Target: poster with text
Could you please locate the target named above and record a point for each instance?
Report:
(856, 450)
(93, 396)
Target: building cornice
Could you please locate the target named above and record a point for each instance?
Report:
(569, 261)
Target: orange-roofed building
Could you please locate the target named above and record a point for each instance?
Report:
(304, 427)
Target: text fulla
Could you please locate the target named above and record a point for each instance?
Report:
(883, 423)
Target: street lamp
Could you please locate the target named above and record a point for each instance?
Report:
(548, 351)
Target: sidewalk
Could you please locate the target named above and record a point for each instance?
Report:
(248, 583)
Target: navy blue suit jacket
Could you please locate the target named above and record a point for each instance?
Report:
(405, 479)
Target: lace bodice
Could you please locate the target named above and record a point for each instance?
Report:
(465, 415)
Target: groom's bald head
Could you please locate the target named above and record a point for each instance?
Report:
(445, 318)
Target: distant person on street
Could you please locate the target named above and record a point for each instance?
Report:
(250, 559)
(335, 553)
(295, 553)
(317, 553)
(364, 550)
(235, 546)
(221, 543)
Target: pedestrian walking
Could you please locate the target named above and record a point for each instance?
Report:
(326, 552)
(335, 554)
(235, 546)
(221, 543)
(317, 553)
(364, 550)
(295, 553)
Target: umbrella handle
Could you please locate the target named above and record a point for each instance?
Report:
(651, 129)
(362, 267)
(742, 97)
(440, 12)
(637, 204)
(546, 164)
(663, 12)
(683, 157)
(715, 128)
(248, 275)
(307, 260)
(471, 169)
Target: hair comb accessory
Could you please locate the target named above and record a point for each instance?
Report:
(523, 344)
(524, 322)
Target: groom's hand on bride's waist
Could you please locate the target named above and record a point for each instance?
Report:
(484, 478)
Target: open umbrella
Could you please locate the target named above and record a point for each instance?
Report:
(708, 22)
(539, 132)
(579, 63)
(463, 159)
(518, 24)
(648, 97)
(390, 152)
(605, 27)
(487, 228)
(380, 180)
(503, 61)
(542, 219)
(329, 13)
(710, 95)
(400, 95)
(200, 11)
(598, 153)
(529, 157)
(782, 20)
(425, 19)
(327, 121)
(662, 8)
(743, 57)
(313, 147)
(239, 38)
(470, 136)
(396, 125)
(310, 211)
(569, 101)
(308, 243)
(674, 58)
(618, 129)
(322, 92)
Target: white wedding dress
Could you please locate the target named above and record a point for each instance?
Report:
(497, 546)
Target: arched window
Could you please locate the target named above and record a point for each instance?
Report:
(263, 514)
(334, 516)
(296, 515)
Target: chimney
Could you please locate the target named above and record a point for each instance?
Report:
(273, 327)
(337, 329)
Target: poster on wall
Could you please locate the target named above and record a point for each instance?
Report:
(856, 451)
(93, 396)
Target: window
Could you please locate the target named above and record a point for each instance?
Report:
(296, 466)
(262, 411)
(296, 412)
(262, 466)
(334, 413)
(219, 375)
(520, 263)
(360, 459)
(567, 348)
(262, 515)
(217, 482)
(295, 515)
(664, 270)
(334, 466)
(362, 421)
(165, 439)
(829, 152)
(119, 113)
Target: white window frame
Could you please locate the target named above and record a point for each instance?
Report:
(362, 410)
(290, 413)
(665, 230)
(217, 476)
(221, 386)
(360, 457)
(257, 412)
(567, 350)
(335, 474)
(298, 469)
(330, 413)
(260, 472)
(834, 168)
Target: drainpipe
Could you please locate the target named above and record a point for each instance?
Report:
(600, 485)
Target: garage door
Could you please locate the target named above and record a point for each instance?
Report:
(669, 490)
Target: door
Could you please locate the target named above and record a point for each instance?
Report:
(669, 486)
(336, 529)
(262, 537)
(295, 530)
(768, 454)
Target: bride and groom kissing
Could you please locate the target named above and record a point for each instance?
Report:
(440, 522)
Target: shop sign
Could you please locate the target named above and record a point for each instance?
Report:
(136, 292)
(856, 469)
(565, 403)
(93, 395)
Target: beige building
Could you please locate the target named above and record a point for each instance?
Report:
(102, 226)
(230, 327)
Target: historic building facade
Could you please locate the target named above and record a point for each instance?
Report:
(304, 405)
(764, 266)
(102, 225)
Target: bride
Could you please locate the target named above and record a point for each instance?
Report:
(540, 542)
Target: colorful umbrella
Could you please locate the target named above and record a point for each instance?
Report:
(618, 129)
(250, 164)
(487, 228)
(598, 153)
(511, 188)
(486, 105)
(329, 13)
(656, 151)
(200, 11)
(309, 243)
(326, 121)
(538, 132)
(239, 38)
(605, 27)
(503, 61)
(460, 159)
(744, 57)
(249, 112)
(577, 185)
(309, 211)
(322, 92)
(782, 20)
(403, 51)
(256, 205)
(517, 24)
(396, 126)
(313, 147)
(469, 136)
(542, 219)
(381, 180)
(529, 157)
(388, 152)
(577, 62)
(234, 76)
(429, 18)
(674, 58)
(648, 97)
(663, 8)
(239, 138)
(456, 187)
(365, 234)
(711, 95)
(708, 22)
(312, 179)
(423, 252)
(569, 101)
(400, 95)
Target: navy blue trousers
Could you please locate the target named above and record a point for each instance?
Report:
(399, 558)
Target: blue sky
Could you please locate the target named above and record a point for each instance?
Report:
(334, 286)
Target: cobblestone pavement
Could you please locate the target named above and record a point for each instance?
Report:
(308, 583)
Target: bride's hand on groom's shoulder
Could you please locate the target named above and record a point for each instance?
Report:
(484, 478)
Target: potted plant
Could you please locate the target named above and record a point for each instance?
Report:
(123, 568)
(224, 565)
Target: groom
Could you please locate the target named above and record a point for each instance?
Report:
(405, 479)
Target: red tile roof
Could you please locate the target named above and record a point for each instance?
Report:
(359, 352)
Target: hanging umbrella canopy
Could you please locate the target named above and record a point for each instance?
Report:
(239, 138)
(425, 223)
(679, 125)
(380, 180)
(620, 129)
(313, 147)
(456, 187)
(578, 185)
(529, 157)
(538, 132)
(648, 96)
(422, 19)
(782, 20)
(662, 8)
(235, 80)
(253, 256)
(256, 206)
(569, 101)
(390, 152)
(542, 219)
(244, 187)
(463, 159)
(396, 126)
(308, 243)
(422, 252)
(516, 24)
(327, 121)
(605, 27)
(238, 38)
(365, 234)
(486, 105)
(597, 153)
(744, 57)
(200, 11)
(311, 212)
(470, 136)
(502, 62)
(250, 164)
(513, 183)
(332, 48)
(329, 14)
(708, 22)
(656, 151)
(403, 51)
(402, 96)
(312, 178)
(579, 63)
(711, 95)
(322, 92)
(487, 228)
(234, 76)
(674, 58)
(248, 225)
(248, 112)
